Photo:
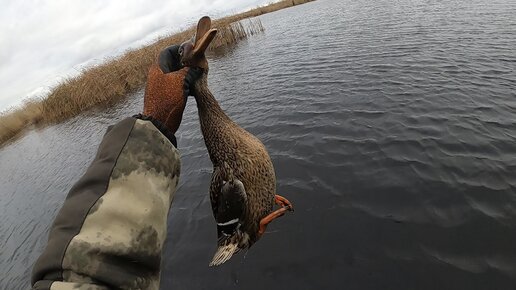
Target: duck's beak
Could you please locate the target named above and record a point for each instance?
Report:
(201, 45)
(193, 52)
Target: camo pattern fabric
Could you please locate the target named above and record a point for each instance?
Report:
(120, 241)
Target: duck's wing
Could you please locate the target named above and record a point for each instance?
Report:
(231, 207)
(229, 200)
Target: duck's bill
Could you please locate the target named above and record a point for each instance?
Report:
(202, 44)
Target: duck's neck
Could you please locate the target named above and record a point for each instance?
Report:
(214, 122)
(207, 106)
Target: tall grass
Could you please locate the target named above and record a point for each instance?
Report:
(234, 32)
(107, 83)
(14, 121)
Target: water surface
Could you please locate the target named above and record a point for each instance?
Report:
(392, 128)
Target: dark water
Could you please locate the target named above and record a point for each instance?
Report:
(392, 127)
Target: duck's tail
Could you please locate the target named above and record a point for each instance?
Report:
(228, 246)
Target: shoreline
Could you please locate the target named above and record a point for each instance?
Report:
(111, 81)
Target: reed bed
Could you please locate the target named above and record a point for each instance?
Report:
(14, 121)
(232, 33)
(109, 82)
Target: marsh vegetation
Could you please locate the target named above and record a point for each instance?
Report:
(108, 82)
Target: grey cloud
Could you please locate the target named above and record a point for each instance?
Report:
(42, 42)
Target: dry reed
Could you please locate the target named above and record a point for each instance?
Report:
(107, 83)
(14, 121)
(234, 32)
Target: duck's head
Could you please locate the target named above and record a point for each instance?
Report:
(192, 51)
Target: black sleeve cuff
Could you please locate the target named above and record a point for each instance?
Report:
(194, 73)
(164, 130)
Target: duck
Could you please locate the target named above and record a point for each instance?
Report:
(243, 182)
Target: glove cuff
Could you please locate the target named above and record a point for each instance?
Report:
(160, 126)
(193, 74)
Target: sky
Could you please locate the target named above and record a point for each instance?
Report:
(43, 42)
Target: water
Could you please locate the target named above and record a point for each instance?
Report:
(392, 128)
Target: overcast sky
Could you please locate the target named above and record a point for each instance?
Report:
(42, 42)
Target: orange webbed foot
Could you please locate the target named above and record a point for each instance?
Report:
(283, 202)
(268, 219)
(285, 206)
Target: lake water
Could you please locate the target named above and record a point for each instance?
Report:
(392, 128)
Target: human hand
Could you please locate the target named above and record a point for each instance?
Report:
(168, 87)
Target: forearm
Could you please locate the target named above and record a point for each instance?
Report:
(111, 229)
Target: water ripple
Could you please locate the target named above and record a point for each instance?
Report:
(391, 125)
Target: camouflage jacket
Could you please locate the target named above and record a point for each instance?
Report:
(112, 226)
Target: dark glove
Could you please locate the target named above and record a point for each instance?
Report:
(168, 87)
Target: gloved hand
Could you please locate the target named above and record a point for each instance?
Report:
(168, 87)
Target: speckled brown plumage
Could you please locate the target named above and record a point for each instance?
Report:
(163, 100)
(243, 184)
(230, 146)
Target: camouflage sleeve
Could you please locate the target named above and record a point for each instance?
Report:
(112, 226)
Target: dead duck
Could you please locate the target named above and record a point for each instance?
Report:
(243, 184)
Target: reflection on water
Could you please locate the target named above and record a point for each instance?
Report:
(391, 125)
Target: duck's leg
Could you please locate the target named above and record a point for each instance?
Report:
(283, 202)
(268, 219)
